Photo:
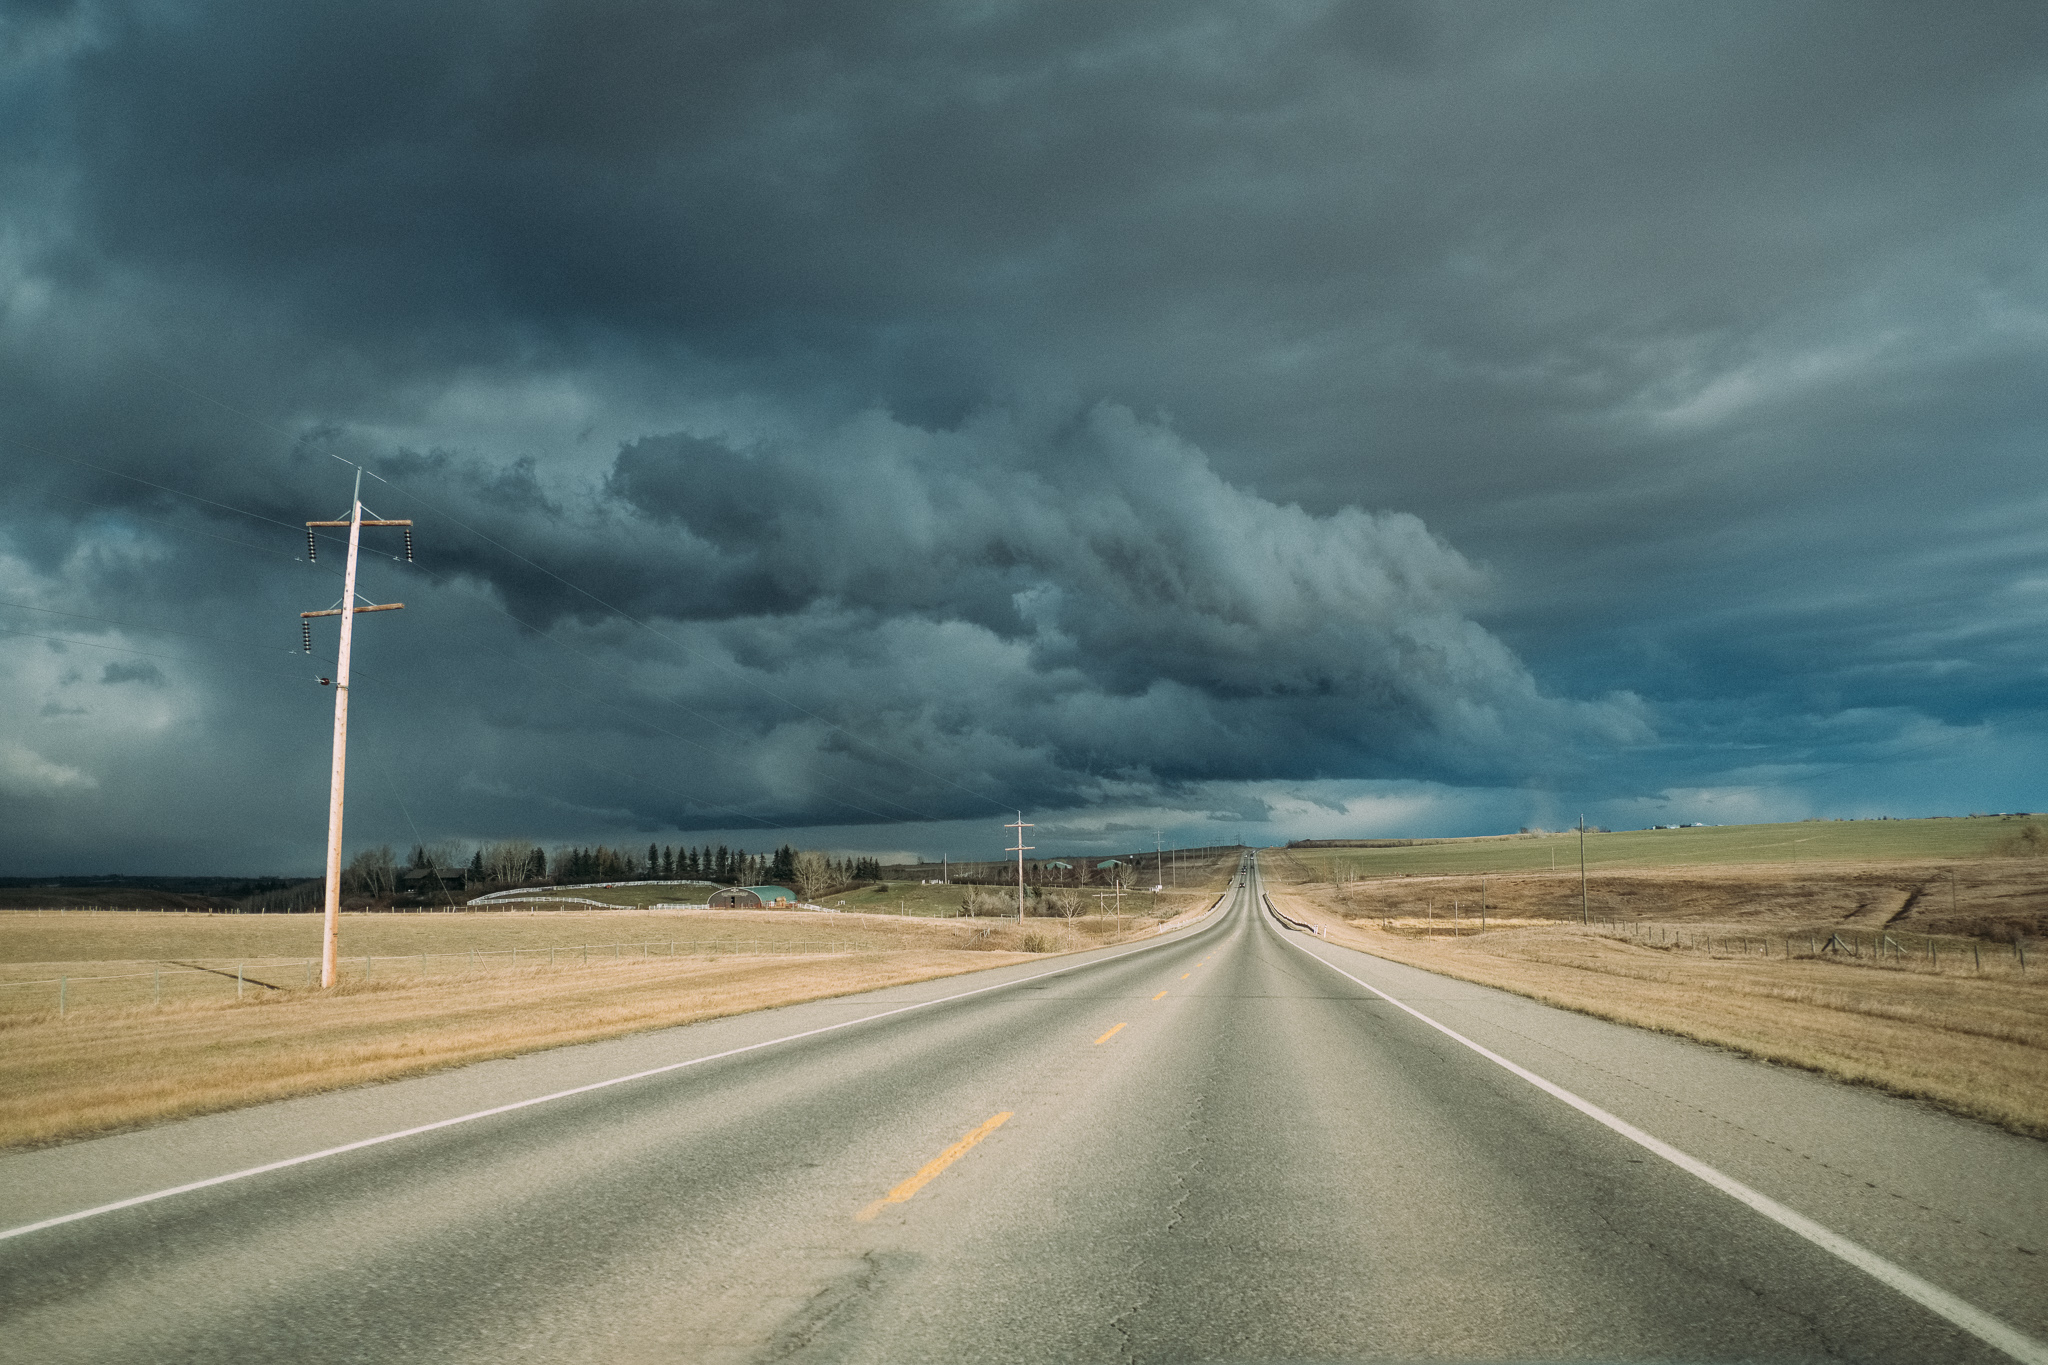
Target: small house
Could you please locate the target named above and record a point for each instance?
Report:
(429, 881)
(752, 898)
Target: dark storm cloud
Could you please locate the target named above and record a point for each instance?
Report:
(1084, 405)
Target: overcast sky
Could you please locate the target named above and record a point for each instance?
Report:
(845, 424)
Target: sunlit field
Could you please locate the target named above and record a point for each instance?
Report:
(116, 1018)
(1807, 841)
(1913, 969)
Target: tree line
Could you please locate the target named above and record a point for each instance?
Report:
(376, 871)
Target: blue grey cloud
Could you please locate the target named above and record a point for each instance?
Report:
(1052, 404)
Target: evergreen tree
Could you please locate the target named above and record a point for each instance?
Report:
(721, 865)
(536, 865)
(784, 870)
(668, 861)
(653, 860)
(476, 865)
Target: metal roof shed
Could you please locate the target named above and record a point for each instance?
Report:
(752, 897)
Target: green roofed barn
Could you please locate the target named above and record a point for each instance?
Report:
(751, 897)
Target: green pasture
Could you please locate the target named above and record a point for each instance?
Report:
(1806, 841)
(624, 894)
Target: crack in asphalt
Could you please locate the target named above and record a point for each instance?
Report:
(832, 1299)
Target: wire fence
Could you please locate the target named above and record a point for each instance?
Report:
(218, 980)
(1832, 943)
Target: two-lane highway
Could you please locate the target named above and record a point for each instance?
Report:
(1222, 1145)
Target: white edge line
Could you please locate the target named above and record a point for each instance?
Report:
(1967, 1316)
(382, 1138)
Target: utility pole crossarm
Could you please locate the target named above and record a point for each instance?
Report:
(336, 611)
(366, 521)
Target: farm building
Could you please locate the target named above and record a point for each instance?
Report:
(751, 897)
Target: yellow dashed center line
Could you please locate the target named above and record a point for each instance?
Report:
(1160, 996)
(1111, 1034)
(1185, 975)
(938, 1163)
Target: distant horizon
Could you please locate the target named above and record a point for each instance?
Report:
(20, 880)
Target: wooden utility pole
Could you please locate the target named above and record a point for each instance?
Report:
(1585, 917)
(1020, 850)
(330, 940)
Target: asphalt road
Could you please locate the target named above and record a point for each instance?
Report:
(1214, 1147)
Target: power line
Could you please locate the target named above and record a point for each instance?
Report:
(136, 625)
(116, 649)
(161, 488)
(153, 521)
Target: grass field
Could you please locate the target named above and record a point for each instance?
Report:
(633, 895)
(1963, 1028)
(1844, 841)
(112, 1068)
(166, 1014)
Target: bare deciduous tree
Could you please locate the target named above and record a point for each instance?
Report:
(987, 904)
(813, 873)
(505, 861)
(373, 871)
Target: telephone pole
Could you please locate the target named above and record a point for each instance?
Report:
(1020, 850)
(346, 609)
(1585, 917)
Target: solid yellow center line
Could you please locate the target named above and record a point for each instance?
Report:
(937, 1164)
(1111, 1034)
(1185, 975)
(1160, 996)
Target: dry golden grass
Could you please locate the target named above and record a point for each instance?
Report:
(142, 935)
(1993, 898)
(1977, 1045)
(116, 1060)
(100, 1070)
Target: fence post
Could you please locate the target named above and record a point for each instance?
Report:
(238, 981)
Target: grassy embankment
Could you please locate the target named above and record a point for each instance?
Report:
(168, 1038)
(1963, 1028)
